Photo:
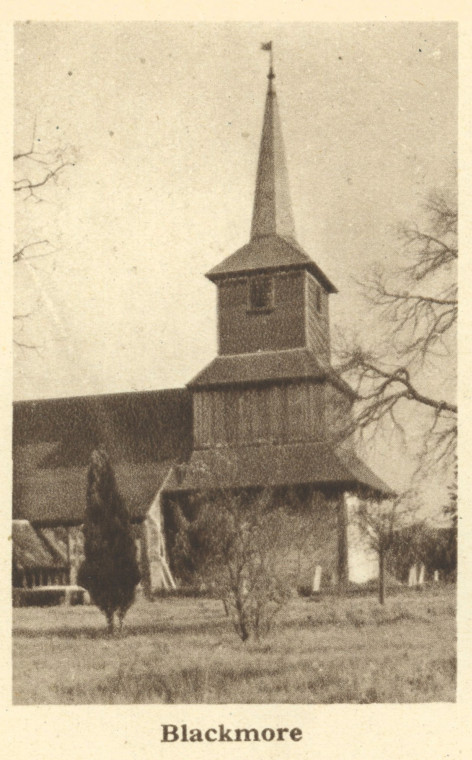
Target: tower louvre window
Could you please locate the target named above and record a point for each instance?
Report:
(318, 300)
(261, 293)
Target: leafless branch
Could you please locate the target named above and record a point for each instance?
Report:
(22, 316)
(417, 304)
(29, 185)
(19, 254)
(26, 346)
(419, 322)
(390, 387)
(52, 163)
(35, 169)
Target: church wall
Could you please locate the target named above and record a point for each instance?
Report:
(241, 330)
(318, 545)
(363, 560)
(155, 572)
(316, 537)
(272, 413)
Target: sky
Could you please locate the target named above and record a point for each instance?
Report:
(163, 124)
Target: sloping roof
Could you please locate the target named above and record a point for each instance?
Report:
(143, 433)
(56, 496)
(362, 474)
(29, 551)
(268, 253)
(264, 367)
(297, 363)
(273, 465)
(133, 427)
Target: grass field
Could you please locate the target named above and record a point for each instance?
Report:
(184, 651)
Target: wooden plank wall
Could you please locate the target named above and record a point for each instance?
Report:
(317, 322)
(338, 415)
(241, 330)
(272, 413)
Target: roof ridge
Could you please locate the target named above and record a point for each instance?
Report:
(299, 349)
(95, 396)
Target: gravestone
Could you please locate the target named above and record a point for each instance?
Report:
(421, 576)
(412, 576)
(317, 579)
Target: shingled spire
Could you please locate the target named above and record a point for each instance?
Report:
(273, 246)
(272, 213)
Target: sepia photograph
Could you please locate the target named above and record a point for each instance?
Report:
(235, 358)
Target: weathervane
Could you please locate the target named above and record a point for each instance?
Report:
(268, 46)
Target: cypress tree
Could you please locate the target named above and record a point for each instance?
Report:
(110, 570)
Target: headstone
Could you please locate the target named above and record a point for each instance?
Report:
(317, 579)
(412, 576)
(421, 576)
(436, 576)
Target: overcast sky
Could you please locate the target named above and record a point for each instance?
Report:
(164, 123)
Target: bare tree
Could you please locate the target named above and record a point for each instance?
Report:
(238, 542)
(35, 169)
(417, 305)
(249, 547)
(380, 523)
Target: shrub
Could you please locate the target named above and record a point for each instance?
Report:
(110, 570)
(238, 544)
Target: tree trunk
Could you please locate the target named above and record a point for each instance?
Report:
(382, 576)
(110, 622)
(342, 568)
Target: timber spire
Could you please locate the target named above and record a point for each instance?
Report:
(272, 214)
(273, 245)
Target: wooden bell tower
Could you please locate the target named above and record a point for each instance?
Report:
(269, 411)
(267, 383)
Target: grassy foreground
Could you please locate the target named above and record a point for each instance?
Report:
(184, 651)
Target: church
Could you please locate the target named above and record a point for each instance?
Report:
(268, 412)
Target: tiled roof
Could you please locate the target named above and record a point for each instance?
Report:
(266, 366)
(56, 496)
(143, 433)
(133, 427)
(273, 465)
(29, 551)
(293, 364)
(266, 253)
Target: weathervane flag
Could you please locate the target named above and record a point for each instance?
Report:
(268, 46)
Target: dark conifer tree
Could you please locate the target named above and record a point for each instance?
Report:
(110, 570)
